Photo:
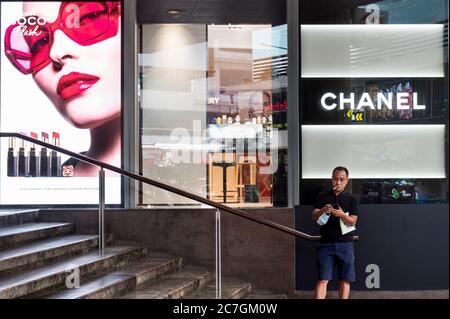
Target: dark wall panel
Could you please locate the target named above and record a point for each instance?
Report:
(409, 243)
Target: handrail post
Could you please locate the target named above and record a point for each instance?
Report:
(218, 257)
(101, 211)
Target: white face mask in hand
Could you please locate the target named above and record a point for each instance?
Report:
(323, 219)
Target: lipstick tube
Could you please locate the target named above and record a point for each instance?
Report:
(22, 166)
(12, 158)
(44, 166)
(55, 157)
(34, 158)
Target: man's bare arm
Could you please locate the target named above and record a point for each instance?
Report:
(348, 219)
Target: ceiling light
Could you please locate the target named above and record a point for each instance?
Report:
(233, 27)
(174, 12)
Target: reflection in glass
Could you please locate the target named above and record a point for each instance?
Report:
(384, 48)
(213, 100)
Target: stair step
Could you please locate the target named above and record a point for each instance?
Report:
(173, 286)
(41, 252)
(121, 281)
(152, 268)
(53, 276)
(265, 296)
(230, 290)
(16, 235)
(18, 216)
(106, 286)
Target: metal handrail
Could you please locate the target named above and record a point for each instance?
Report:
(169, 188)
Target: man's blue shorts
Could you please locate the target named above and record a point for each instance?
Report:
(340, 254)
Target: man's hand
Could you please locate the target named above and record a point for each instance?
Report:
(316, 213)
(326, 209)
(337, 212)
(349, 220)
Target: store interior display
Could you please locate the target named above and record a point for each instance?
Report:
(223, 178)
(244, 123)
(238, 107)
(245, 133)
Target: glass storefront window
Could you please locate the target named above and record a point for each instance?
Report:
(213, 100)
(374, 92)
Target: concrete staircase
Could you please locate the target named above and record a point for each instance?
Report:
(41, 260)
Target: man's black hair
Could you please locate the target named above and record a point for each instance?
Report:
(340, 168)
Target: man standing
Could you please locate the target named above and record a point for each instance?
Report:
(335, 248)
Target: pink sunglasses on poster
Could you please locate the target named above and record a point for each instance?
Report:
(29, 41)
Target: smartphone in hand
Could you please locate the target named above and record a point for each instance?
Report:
(336, 206)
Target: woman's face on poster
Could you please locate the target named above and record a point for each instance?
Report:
(83, 82)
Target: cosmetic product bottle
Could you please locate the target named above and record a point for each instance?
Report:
(34, 158)
(12, 158)
(22, 163)
(55, 157)
(44, 167)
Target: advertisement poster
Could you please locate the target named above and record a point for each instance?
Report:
(61, 83)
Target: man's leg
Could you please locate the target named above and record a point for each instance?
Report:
(344, 289)
(321, 289)
(325, 263)
(346, 268)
